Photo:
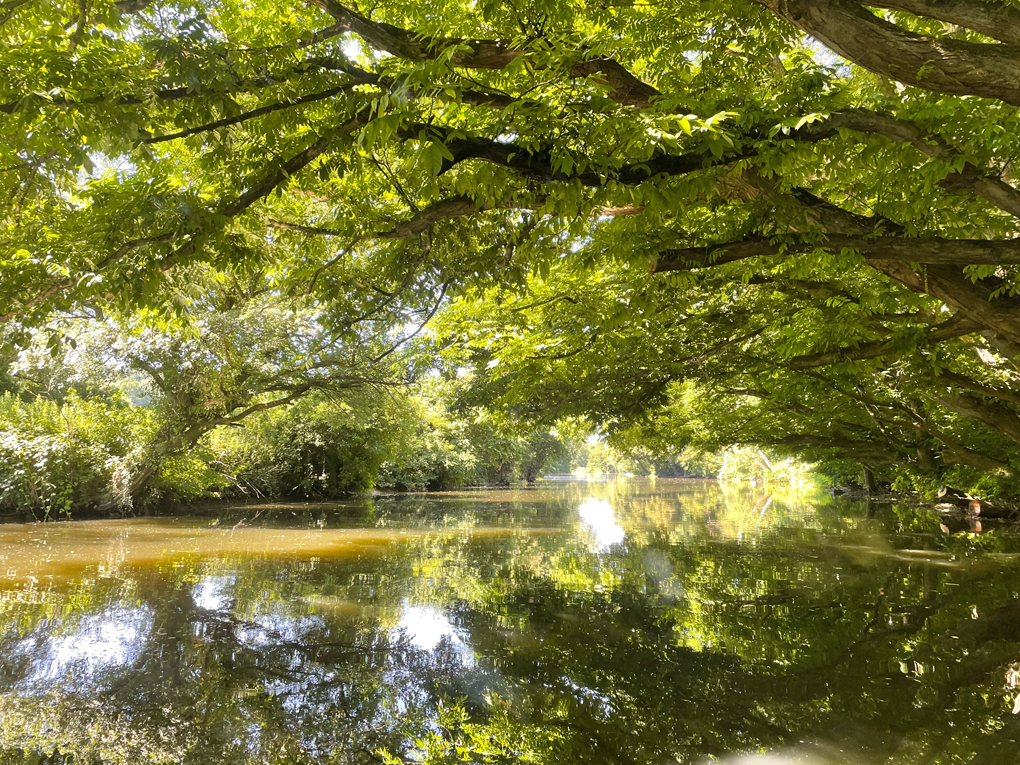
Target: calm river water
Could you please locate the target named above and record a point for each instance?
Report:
(625, 622)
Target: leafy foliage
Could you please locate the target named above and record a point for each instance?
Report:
(58, 457)
(796, 213)
(206, 418)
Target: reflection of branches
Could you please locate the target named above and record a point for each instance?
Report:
(604, 746)
(815, 680)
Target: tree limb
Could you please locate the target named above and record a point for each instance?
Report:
(968, 178)
(946, 331)
(245, 116)
(253, 194)
(998, 417)
(955, 380)
(926, 250)
(624, 87)
(845, 448)
(8, 9)
(974, 299)
(943, 65)
(996, 20)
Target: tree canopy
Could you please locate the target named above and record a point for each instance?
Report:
(781, 221)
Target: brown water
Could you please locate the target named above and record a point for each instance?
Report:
(579, 622)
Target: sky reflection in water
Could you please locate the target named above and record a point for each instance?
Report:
(630, 622)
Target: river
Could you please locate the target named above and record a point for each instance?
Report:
(629, 621)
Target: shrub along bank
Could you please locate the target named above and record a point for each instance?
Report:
(76, 454)
(253, 397)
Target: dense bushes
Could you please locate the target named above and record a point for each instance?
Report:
(432, 448)
(408, 439)
(73, 454)
(251, 400)
(619, 456)
(318, 447)
(55, 457)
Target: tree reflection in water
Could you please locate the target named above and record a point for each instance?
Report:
(620, 622)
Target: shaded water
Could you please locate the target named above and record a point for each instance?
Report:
(622, 622)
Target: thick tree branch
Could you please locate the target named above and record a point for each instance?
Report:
(291, 397)
(689, 258)
(539, 164)
(946, 331)
(444, 209)
(256, 192)
(978, 300)
(961, 455)
(447, 209)
(940, 275)
(975, 300)
(968, 178)
(992, 188)
(943, 65)
(845, 448)
(8, 9)
(995, 416)
(996, 20)
(281, 174)
(925, 250)
(934, 250)
(132, 6)
(954, 380)
(956, 453)
(624, 87)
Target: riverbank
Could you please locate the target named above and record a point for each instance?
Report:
(949, 503)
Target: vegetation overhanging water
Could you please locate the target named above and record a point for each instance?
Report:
(278, 251)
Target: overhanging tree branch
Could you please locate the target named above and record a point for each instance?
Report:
(946, 331)
(943, 65)
(250, 115)
(428, 317)
(955, 452)
(270, 181)
(843, 447)
(925, 250)
(443, 209)
(996, 20)
(242, 85)
(539, 163)
(968, 178)
(954, 380)
(624, 87)
(974, 299)
(996, 416)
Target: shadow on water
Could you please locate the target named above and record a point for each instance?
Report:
(621, 622)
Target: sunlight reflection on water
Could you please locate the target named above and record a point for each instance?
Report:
(427, 629)
(211, 593)
(113, 638)
(597, 516)
(575, 620)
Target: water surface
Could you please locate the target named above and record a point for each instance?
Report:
(622, 622)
